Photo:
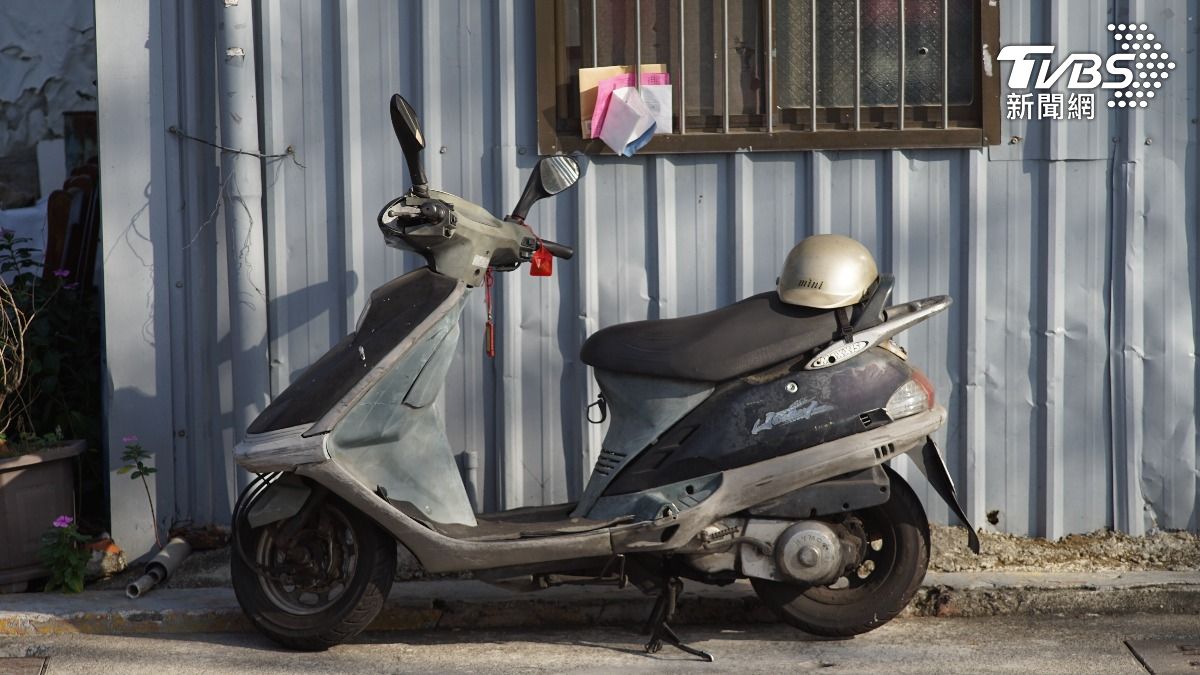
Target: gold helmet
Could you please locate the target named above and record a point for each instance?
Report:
(827, 271)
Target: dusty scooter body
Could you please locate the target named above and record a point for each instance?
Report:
(748, 442)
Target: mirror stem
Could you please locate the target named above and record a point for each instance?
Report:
(420, 186)
(523, 205)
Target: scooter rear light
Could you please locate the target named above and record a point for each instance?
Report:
(914, 396)
(925, 384)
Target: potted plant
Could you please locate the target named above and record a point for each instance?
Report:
(37, 483)
(42, 319)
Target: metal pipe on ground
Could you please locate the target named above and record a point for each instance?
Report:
(160, 568)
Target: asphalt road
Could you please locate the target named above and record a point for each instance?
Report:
(923, 645)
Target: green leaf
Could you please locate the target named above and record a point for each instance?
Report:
(125, 469)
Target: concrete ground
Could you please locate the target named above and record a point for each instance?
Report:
(959, 622)
(466, 604)
(1026, 644)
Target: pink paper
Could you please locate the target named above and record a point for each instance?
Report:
(605, 89)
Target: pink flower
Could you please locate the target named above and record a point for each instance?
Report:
(62, 273)
(63, 521)
(74, 285)
(129, 440)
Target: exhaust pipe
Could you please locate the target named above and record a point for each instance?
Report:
(160, 567)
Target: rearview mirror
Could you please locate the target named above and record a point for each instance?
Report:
(412, 141)
(551, 176)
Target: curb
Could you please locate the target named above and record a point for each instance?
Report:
(442, 605)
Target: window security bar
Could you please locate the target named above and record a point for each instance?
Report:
(768, 9)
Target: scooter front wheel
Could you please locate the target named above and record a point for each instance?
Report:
(896, 556)
(314, 584)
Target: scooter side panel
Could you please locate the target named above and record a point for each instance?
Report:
(399, 449)
(642, 408)
(766, 415)
(752, 484)
(396, 309)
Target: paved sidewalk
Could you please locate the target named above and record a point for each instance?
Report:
(472, 604)
(1088, 645)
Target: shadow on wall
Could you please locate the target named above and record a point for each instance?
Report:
(196, 476)
(129, 507)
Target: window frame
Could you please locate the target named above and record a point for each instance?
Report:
(550, 52)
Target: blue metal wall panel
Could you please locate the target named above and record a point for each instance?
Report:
(1068, 360)
(1086, 396)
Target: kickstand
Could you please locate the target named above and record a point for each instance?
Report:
(656, 625)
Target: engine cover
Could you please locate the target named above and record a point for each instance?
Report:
(808, 551)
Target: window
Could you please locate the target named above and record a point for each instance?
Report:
(743, 76)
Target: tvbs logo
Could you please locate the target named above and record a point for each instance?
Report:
(1084, 69)
(1132, 75)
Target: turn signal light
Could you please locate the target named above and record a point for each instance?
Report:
(914, 396)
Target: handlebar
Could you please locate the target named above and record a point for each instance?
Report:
(426, 224)
(558, 250)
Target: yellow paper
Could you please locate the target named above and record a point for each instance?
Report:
(589, 81)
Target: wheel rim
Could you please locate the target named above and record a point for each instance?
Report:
(878, 565)
(310, 571)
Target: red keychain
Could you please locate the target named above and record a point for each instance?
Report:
(489, 327)
(541, 264)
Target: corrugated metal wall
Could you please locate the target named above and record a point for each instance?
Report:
(1068, 360)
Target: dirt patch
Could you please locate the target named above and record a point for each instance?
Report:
(1099, 550)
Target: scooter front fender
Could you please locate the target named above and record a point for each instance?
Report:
(282, 499)
(929, 460)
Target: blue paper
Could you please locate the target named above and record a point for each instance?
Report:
(639, 142)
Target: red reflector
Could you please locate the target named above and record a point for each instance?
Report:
(541, 264)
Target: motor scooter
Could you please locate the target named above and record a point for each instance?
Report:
(749, 442)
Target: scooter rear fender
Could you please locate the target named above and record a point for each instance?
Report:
(929, 460)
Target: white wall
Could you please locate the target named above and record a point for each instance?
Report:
(136, 240)
(47, 67)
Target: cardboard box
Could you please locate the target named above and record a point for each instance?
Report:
(589, 80)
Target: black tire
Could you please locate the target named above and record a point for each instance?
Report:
(865, 603)
(358, 602)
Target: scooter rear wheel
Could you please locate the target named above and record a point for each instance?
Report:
(318, 587)
(896, 558)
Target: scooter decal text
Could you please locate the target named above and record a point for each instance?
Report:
(800, 410)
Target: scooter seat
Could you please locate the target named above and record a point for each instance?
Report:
(715, 346)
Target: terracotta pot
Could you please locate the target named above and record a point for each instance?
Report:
(34, 490)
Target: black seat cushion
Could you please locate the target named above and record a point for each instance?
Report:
(715, 346)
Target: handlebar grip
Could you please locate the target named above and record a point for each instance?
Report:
(558, 250)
